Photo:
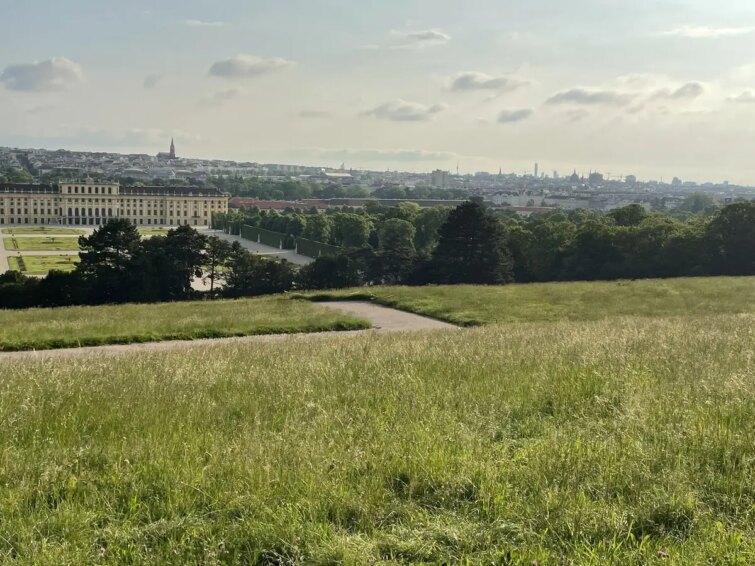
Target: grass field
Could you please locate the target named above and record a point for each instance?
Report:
(42, 264)
(621, 441)
(475, 305)
(148, 232)
(43, 231)
(51, 244)
(91, 326)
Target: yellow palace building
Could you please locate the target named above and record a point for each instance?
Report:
(94, 203)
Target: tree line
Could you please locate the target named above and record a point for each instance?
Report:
(399, 245)
(119, 266)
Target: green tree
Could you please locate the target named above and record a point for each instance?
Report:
(351, 230)
(318, 228)
(397, 253)
(426, 225)
(698, 203)
(106, 256)
(472, 248)
(731, 240)
(630, 215)
(217, 255)
(250, 274)
(330, 272)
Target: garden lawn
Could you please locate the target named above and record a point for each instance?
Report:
(51, 244)
(472, 305)
(149, 232)
(123, 324)
(42, 264)
(43, 231)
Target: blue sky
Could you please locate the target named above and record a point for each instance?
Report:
(653, 88)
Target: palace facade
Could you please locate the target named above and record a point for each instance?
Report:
(93, 204)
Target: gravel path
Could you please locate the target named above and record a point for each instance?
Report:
(383, 319)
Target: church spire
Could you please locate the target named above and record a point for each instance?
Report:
(172, 149)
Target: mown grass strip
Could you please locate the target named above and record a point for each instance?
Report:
(472, 305)
(71, 327)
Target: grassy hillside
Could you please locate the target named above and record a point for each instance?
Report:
(475, 305)
(91, 326)
(625, 441)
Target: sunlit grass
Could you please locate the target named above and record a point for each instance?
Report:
(474, 305)
(123, 324)
(52, 244)
(42, 264)
(149, 232)
(624, 441)
(42, 231)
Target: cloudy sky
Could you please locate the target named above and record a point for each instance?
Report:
(655, 88)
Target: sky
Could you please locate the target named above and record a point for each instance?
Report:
(653, 88)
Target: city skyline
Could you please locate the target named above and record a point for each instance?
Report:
(657, 90)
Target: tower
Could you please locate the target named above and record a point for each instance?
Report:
(172, 149)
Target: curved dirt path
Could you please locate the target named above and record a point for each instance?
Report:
(383, 319)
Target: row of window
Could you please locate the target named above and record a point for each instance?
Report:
(89, 190)
(98, 221)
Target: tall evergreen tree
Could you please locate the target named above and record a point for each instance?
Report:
(472, 248)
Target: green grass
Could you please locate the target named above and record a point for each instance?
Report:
(621, 441)
(42, 264)
(476, 305)
(51, 244)
(43, 231)
(149, 232)
(124, 324)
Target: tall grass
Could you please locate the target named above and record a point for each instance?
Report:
(627, 441)
(124, 324)
(472, 305)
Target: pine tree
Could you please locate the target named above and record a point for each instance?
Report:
(472, 248)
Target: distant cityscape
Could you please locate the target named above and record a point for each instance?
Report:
(527, 192)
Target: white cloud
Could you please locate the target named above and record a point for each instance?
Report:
(247, 66)
(687, 91)
(585, 97)
(314, 114)
(151, 80)
(747, 97)
(472, 80)
(404, 111)
(50, 75)
(377, 155)
(417, 39)
(203, 24)
(705, 32)
(220, 98)
(511, 116)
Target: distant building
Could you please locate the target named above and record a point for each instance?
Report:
(676, 182)
(630, 180)
(94, 203)
(595, 178)
(439, 179)
(537, 170)
(171, 155)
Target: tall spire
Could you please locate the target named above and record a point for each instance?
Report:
(172, 149)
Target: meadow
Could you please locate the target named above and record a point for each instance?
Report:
(149, 232)
(43, 231)
(471, 305)
(617, 441)
(42, 264)
(51, 244)
(69, 327)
